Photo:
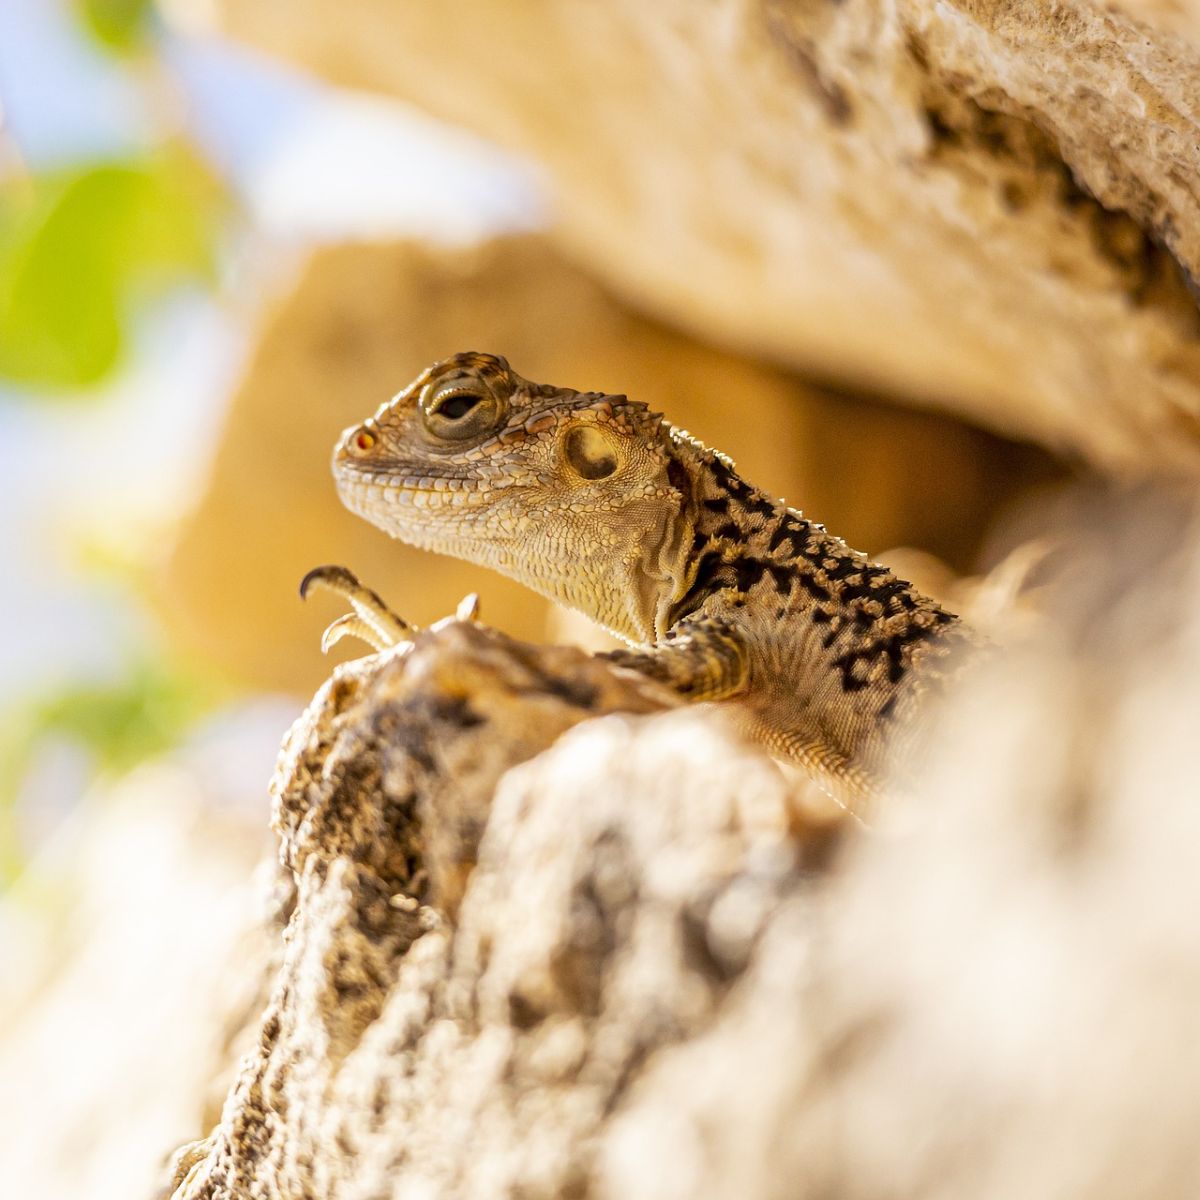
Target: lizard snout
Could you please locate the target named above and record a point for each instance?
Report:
(357, 442)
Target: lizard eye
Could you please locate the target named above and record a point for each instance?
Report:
(457, 410)
(455, 407)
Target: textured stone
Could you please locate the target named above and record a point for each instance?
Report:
(982, 205)
(633, 965)
(383, 794)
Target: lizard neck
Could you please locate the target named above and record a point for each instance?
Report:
(731, 525)
(765, 564)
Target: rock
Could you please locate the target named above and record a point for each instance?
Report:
(386, 795)
(136, 966)
(364, 319)
(984, 206)
(552, 940)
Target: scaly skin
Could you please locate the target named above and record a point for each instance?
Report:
(726, 593)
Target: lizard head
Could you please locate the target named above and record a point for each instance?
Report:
(580, 495)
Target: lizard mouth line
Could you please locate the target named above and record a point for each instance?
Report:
(365, 490)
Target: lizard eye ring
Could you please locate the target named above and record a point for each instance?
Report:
(457, 409)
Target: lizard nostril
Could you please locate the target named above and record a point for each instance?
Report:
(363, 441)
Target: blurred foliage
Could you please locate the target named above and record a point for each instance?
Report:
(145, 712)
(120, 25)
(80, 249)
(86, 250)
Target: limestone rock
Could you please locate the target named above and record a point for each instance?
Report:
(391, 997)
(550, 940)
(981, 205)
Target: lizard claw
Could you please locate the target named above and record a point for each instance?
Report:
(372, 620)
(468, 607)
(350, 625)
(1003, 593)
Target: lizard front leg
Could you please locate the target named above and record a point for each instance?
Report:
(704, 659)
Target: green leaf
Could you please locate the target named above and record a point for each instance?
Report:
(78, 250)
(120, 25)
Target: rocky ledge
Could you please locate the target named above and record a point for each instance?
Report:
(550, 935)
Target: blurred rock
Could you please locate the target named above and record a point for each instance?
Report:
(135, 953)
(984, 206)
(364, 319)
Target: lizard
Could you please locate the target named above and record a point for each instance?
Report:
(719, 591)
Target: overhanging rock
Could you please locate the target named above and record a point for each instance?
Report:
(980, 205)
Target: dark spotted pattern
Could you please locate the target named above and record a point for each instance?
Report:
(747, 546)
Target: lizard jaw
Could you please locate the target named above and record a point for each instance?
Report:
(443, 515)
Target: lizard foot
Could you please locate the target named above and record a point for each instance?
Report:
(371, 619)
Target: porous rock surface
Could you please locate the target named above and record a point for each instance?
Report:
(408, 1021)
(980, 204)
(537, 954)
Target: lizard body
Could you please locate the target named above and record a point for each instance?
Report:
(722, 592)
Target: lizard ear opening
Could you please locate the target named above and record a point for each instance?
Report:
(589, 452)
